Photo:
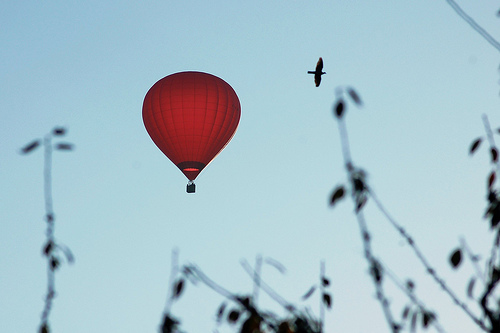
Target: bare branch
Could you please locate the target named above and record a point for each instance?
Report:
(474, 24)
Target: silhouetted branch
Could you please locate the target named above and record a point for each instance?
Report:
(266, 288)
(51, 247)
(429, 269)
(297, 320)
(356, 177)
(255, 318)
(408, 291)
(493, 270)
(211, 284)
(322, 283)
(496, 243)
(492, 316)
(376, 272)
(49, 216)
(169, 323)
(360, 192)
(174, 271)
(256, 278)
(474, 24)
(473, 258)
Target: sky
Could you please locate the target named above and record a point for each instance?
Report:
(425, 77)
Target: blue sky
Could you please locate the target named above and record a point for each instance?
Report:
(425, 76)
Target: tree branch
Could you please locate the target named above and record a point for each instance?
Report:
(474, 24)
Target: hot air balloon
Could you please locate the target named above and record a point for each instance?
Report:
(191, 117)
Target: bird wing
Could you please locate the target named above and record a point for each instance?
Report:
(317, 79)
(319, 65)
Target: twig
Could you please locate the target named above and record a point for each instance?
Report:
(256, 278)
(374, 263)
(246, 303)
(414, 299)
(496, 242)
(49, 216)
(266, 288)
(473, 259)
(430, 270)
(359, 198)
(212, 285)
(51, 247)
(174, 270)
(474, 24)
(365, 235)
(493, 317)
(322, 292)
(492, 271)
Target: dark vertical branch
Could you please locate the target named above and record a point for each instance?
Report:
(322, 293)
(346, 152)
(491, 140)
(375, 270)
(256, 279)
(473, 259)
(493, 271)
(496, 244)
(265, 287)
(51, 248)
(174, 271)
(357, 197)
(487, 128)
(48, 181)
(492, 316)
(49, 217)
(170, 324)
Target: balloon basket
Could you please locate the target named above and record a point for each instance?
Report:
(190, 188)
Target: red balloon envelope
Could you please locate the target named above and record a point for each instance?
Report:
(191, 117)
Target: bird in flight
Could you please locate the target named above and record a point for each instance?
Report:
(318, 72)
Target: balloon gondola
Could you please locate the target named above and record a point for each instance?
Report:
(191, 117)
